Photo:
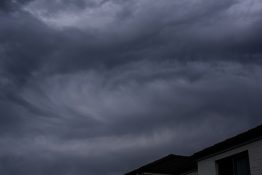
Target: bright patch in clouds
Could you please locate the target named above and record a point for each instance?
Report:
(98, 16)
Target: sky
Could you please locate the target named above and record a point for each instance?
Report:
(100, 87)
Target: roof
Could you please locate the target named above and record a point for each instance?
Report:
(241, 139)
(171, 164)
(175, 164)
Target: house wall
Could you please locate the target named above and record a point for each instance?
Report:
(208, 166)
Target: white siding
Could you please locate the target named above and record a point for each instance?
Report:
(208, 166)
(255, 156)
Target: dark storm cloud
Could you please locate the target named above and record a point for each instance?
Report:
(11, 5)
(101, 86)
(146, 32)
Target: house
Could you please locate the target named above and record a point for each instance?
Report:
(239, 155)
(171, 164)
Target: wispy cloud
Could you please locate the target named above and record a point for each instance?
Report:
(98, 87)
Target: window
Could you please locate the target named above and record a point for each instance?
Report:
(234, 165)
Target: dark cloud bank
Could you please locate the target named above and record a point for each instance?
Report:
(99, 87)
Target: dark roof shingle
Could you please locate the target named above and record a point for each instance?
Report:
(241, 139)
(171, 164)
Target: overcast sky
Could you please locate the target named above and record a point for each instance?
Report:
(100, 87)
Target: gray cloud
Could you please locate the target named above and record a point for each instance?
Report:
(99, 87)
(12, 5)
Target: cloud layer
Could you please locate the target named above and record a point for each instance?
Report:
(102, 86)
